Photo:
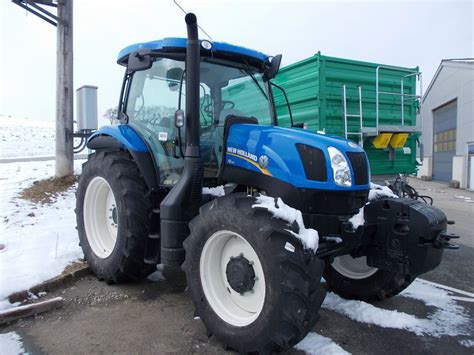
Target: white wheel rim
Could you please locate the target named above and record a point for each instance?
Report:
(353, 268)
(100, 217)
(234, 308)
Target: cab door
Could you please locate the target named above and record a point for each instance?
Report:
(153, 98)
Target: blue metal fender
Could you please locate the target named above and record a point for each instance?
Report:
(125, 137)
(124, 134)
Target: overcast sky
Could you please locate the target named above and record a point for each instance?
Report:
(397, 33)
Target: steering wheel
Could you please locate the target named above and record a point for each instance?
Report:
(225, 102)
(227, 112)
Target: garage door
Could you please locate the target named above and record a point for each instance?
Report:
(444, 141)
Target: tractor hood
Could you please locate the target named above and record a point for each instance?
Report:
(297, 157)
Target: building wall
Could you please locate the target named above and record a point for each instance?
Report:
(455, 81)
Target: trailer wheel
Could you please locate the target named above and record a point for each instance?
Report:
(352, 278)
(251, 282)
(112, 212)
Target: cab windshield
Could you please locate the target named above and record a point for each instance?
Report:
(155, 94)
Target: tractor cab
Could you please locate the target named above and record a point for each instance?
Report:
(233, 85)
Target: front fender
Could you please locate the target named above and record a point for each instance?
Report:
(124, 137)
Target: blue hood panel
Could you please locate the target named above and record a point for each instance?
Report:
(247, 143)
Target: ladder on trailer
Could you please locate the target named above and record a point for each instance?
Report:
(347, 116)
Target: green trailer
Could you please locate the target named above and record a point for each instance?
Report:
(375, 105)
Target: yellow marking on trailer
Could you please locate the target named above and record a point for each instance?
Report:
(264, 171)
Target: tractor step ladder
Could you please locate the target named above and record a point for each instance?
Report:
(347, 116)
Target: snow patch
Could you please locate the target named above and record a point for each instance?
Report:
(5, 305)
(10, 343)
(38, 245)
(465, 198)
(317, 344)
(357, 219)
(217, 191)
(448, 318)
(468, 343)
(309, 237)
(336, 240)
(377, 191)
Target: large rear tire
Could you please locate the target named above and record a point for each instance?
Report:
(251, 282)
(113, 208)
(352, 278)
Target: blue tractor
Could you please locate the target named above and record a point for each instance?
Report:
(195, 114)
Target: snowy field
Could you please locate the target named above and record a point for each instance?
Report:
(21, 137)
(39, 241)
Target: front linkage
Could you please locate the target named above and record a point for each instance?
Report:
(399, 235)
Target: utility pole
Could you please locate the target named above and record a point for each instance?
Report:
(64, 90)
(63, 21)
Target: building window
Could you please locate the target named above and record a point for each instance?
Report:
(445, 141)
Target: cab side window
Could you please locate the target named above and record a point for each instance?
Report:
(153, 98)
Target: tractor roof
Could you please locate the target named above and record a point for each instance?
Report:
(173, 42)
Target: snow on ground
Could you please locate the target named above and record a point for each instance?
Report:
(447, 317)
(317, 344)
(10, 343)
(21, 137)
(309, 237)
(39, 241)
(467, 343)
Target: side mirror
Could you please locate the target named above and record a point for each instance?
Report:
(122, 117)
(179, 118)
(175, 78)
(272, 71)
(138, 61)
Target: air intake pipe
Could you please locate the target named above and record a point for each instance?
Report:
(183, 201)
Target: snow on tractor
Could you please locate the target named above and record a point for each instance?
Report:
(197, 174)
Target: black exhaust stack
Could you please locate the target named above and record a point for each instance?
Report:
(183, 201)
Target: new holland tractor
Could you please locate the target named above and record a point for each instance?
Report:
(196, 114)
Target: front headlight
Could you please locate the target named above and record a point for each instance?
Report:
(340, 167)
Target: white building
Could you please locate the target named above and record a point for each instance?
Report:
(447, 113)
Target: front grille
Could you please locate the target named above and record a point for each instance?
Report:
(359, 167)
(314, 162)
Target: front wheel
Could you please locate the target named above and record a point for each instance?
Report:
(113, 210)
(352, 278)
(251, 282)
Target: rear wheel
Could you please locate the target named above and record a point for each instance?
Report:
(112, 211)
(352, 278)
(251, 282)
